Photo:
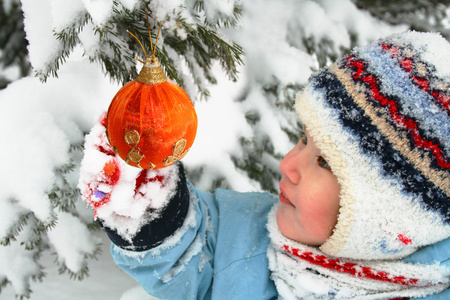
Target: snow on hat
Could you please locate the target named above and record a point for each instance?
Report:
(381, 117)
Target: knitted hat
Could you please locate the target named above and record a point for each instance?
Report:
(381, 116)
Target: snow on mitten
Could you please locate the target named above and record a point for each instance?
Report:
(123, 197)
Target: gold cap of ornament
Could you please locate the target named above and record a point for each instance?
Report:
(152, 73)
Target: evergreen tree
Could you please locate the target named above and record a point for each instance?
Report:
(189, 37)
(283, 44)
(187, 32)
(13, 44)
(420, 15)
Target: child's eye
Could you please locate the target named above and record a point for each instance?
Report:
(323, 163)
(304, 140)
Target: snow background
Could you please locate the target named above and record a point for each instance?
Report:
(39, 122)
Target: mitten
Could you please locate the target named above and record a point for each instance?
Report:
(126, 199)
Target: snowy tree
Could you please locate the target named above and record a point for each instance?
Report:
(13, 45)
(188, 37)
(420, 15)
(244, 103)
(40, 203)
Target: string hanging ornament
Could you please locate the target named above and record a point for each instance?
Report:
(151, 123)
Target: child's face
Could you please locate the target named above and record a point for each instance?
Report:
(309, 195)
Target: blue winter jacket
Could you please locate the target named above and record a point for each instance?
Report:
(214, 247)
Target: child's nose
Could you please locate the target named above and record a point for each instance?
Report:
(290, 166)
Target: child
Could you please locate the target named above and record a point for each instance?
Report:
(368, 186)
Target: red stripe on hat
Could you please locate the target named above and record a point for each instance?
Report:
(361, 74)
(407, 65)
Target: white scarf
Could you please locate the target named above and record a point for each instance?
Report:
(304, 272)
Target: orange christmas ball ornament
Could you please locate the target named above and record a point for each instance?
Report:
(151, 123)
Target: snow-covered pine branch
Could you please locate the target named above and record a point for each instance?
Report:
(189, 33)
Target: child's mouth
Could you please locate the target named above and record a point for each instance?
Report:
(284, 199)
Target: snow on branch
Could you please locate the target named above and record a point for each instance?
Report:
(100, 29)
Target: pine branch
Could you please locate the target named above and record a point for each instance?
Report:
(84, 271)
(423, 15)
(37, 276)
(116, 50)
(220, 19)
(3, 283)
(68, 39)
(63, 195)
(16, 229)
(13, 43)
(230, 56)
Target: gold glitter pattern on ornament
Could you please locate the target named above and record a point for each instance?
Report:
(152, 73)
(177, 152)
(132, 137)
(135, 155)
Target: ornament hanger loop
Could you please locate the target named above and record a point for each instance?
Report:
(139, 43)
(153, 49)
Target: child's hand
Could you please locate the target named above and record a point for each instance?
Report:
(124, 198)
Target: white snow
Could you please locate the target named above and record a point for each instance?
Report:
(7, 5)
(105, 281)
(20, 264)
(39, 32)
(129, 4)
(63, 12)
(100, 10)
(161, 8)
(40, 122)
(72, 241)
